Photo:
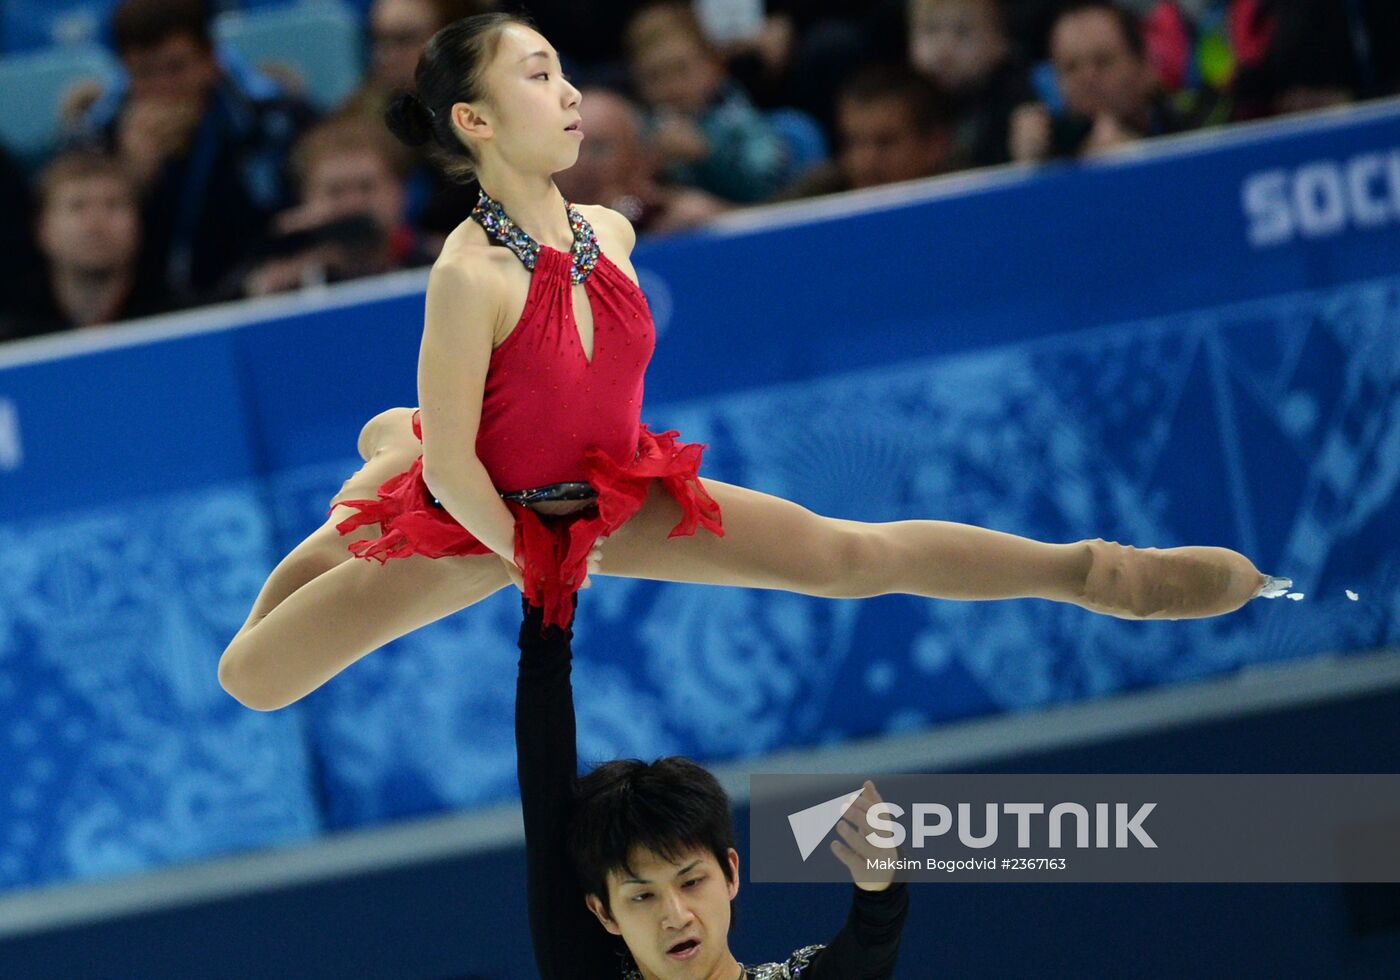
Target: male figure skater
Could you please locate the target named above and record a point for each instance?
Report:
(645, 852)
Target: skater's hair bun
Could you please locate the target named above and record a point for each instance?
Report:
(409, 119)
(451, 69)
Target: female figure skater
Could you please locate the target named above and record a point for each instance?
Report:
(528, 450)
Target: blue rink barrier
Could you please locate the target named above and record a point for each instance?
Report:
(1196, 343)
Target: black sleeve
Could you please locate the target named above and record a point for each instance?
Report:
(568, 940)
(868, 944)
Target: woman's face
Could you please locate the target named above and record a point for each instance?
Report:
(530, 105)
(1097, 69)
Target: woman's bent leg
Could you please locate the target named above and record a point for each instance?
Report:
(321, 609)
(388, 447)
(344, 613)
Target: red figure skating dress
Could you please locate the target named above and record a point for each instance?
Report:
(549, 415)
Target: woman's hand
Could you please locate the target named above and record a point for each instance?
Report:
(594, 563)
(517, 577)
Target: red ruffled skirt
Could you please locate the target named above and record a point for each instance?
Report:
(551, 551)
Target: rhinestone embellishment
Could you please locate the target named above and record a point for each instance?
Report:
(583, 256)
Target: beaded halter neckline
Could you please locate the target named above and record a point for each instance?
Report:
(583, 256)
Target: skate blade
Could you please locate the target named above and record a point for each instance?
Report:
(1273, 587)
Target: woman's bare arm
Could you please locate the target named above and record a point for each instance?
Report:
(458, 328)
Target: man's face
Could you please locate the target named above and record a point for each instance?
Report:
(1097, 70)
(673, 915)
(398, 31)
(880, 143)
(357, 182)
(612, 157)
(676, 73)
(177, 68)
(90, 224)
(957, 43)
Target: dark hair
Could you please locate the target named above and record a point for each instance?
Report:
(897, 80)
(666, 807)
(449, 10)
(80, 163)
(996, 7)
(450, 70)
(1128, 24)
(138, 24)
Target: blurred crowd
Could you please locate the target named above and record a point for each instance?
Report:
(201, 178)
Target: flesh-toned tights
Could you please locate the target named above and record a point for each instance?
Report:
(322, 609)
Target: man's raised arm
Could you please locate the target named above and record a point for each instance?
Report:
(867, 946)
(568, 940)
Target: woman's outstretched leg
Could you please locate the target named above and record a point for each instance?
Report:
(772, 543)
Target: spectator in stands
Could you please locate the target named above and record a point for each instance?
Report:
(700, 123)
(1327, 53)
(207, 142)
(892, 125)
(1210, 56)
(961, 45)
(1028, 27)
(589, 37)
(350, 222)
(1258, 57)
(1110, 91)
(88, 229)
(398, 30)
(806, 48)
(616, 169)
